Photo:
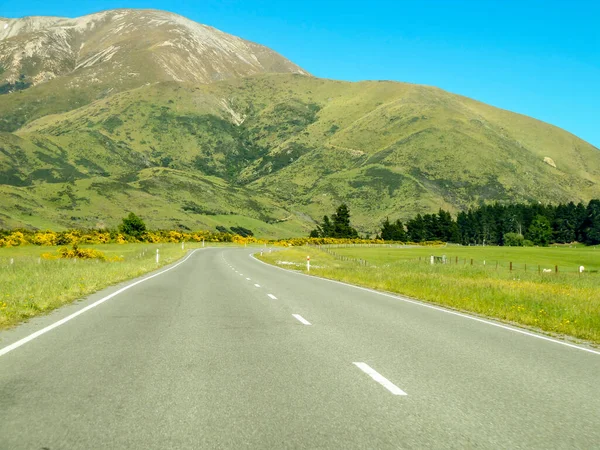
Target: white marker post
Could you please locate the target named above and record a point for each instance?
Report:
(182, 245)
(308, 263)
(157, 257)
(581, 269)
(202, 242)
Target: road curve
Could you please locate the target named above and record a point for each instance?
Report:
(224, 351)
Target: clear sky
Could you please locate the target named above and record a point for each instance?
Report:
(540, 58)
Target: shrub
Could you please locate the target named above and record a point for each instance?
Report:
(133, 226)
(513, 240)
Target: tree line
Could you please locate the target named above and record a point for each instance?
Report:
(496, 224)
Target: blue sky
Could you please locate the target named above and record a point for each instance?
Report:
(540, 58)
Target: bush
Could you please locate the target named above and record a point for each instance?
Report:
(513, 240)
(76, 252)
(133, 226)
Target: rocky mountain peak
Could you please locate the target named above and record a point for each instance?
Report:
(120, 45)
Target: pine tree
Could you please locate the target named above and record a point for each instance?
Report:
(416, 229)
(591, 225)
(540, 231)
(341, 223)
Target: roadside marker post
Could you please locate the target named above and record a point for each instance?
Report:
(308, 263)
(202, 242)
(183, 246)
(157, 256)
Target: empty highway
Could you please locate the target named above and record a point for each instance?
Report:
(222, 351)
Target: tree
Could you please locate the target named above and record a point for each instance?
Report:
(393, 231)
(341, 223)
(540, 231)
(338, 227)
(132, 226)
(591, 225)
(416, 229)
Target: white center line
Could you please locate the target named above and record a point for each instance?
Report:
(379, 378)
(301, 319)
(272, 296)
(257, 285)
(248, 279)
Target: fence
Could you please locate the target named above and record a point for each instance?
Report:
(453, 260)
(510, 266)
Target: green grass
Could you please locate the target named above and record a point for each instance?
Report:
(565, 303)
(568, 259)
(31, 286)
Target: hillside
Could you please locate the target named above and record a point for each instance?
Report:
(269, 151)
(276, 147)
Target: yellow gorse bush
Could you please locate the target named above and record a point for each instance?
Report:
(71, 237)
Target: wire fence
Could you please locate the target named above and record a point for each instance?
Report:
(462, 261)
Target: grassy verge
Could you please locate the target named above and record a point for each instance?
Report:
(565, 303)
(31, 285)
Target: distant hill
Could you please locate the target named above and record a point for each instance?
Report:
(267, 151)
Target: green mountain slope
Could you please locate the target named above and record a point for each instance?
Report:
(283, 148)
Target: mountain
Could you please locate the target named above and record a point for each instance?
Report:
(100, 54)
(271, 152)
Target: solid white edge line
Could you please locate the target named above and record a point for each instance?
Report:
(257, 285)
(437, 308)
(248, 279)
(301, 319)
(44, 330)
(379, 378)
(272, 296)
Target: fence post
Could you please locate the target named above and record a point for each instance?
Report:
(471, 261)
(511, 266)
(555, 269)
(539, 269)
(496, 265)
(525, 267)
(456, 262)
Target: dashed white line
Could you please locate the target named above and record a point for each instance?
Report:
(248, 279)
(257, 285)
(301, 319)
(272, 296)
(379, 378)
(436, 308)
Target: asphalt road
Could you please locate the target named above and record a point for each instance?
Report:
(218, 353)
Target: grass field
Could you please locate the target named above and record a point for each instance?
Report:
(566, 303)
(568, 259)
(31, 285)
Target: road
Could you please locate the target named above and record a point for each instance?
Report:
(223, 351)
